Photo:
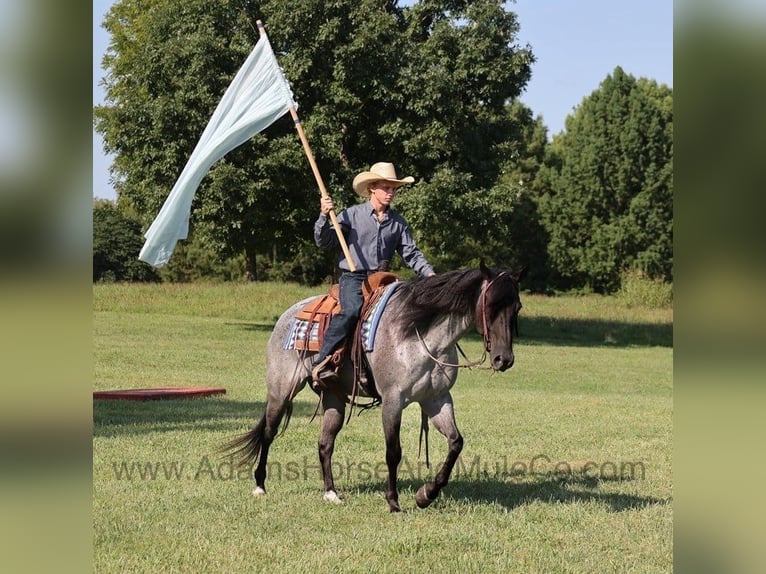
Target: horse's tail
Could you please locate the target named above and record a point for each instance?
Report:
(246, 448)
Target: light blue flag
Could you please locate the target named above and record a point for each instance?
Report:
(258, 96)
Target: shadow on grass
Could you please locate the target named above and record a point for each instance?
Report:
(112, 418)
(262, 327)
(570, 332)
(590, 333)
(548, 489)
(513, 494)
(544, 330)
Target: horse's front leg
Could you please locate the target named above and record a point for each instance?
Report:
(442, 415)
(392, 423)
(332, 421)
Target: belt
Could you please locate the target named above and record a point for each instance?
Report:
(384, 266)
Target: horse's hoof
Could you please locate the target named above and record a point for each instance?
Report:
(332, 497)
(421, 498)
(258, 491)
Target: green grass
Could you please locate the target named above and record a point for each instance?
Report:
(566, 467)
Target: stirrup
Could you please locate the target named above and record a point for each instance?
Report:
(324, 373)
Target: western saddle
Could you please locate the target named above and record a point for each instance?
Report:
(319, 312)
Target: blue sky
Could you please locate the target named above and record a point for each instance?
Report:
(577, 44)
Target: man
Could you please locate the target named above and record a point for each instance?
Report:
(373, 232)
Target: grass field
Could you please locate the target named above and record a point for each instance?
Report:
(567, 464)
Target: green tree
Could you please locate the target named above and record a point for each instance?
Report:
(425, 87)
(116, 242)
(168, 65)
(607, 202)
(514, 230)
(463, 69)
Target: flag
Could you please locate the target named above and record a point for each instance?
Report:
(258, 96)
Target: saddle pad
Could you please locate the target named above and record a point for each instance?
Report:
(299, 327)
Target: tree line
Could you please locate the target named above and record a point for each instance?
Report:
(431, 87)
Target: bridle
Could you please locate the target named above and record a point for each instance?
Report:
(484, 333)
(485, 330)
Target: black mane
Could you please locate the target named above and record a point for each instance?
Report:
(453, 292)
(425, 299)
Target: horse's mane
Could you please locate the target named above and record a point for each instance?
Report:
(425, 299)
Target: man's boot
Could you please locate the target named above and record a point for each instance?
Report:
(323, 373)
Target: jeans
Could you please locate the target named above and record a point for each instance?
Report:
(342, 325)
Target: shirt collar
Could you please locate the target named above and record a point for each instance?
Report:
(371, 211)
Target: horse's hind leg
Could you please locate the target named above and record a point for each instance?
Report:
(253, 446)
(332, 421)
(267, 428)
(442, 415)
(286, 375)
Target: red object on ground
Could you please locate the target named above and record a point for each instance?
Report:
(158, 393)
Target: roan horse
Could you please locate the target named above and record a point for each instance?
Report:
(414, 361)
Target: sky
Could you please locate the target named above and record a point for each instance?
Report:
(577, 44)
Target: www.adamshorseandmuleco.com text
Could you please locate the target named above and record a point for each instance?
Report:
(306, 468)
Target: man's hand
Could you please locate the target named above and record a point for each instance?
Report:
(326, 205)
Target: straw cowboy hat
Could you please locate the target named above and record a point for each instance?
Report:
(381, 171)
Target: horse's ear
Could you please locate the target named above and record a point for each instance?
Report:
(519, 275)
(485, 271)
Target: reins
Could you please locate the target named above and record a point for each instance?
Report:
(485, 336)
(438, 361)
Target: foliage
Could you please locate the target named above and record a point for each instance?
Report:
(424, 86)
(607, 203)
(432, 87)
(513, 230)
(117, 241)
(308, 265)
(636, 289)
(193, 261)
(460, 130)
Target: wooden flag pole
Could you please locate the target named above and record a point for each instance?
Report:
(317, 175)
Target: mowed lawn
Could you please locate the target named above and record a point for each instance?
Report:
(567, 463)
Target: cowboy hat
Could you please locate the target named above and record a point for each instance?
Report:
(381, 171)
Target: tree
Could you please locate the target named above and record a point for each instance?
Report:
(425, 87)
(462, 71)
(608, 199)
(168, 65)
(514, 230)
(116, 240)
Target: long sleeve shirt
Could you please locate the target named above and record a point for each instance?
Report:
(371, 242)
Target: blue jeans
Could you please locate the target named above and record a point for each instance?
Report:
(342, 325)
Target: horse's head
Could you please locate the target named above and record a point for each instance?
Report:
(497, 311)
